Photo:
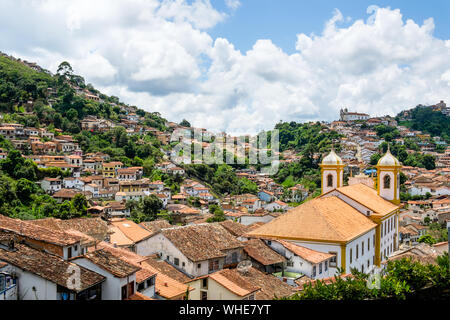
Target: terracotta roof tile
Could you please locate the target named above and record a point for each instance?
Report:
(139, 296)
(232, 280)
(114, 265)
(323, 219)
(131, 230)
(166, 286)
(48, 266)
(265, 286)
(369, 198)
(260, 252)
(310, 255)
(35, 232)
(202, 242)
(93, 227)
(163, 267)
(235, 228)
(155, 226)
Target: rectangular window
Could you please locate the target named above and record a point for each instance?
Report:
(368, 244)
(205, 283)
(204, 295)
(130, 288)
(199, 266)
(124, 292)
(351, 255)
(290, 263)
(357, 251)
(314, 271)
(333, 260)
(326, 266)
(176, 261)
(320, 268)
(362, 249)
(213, 265)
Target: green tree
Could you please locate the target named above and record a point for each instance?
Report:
(428, 239)
(25, 189)
(80, 204)
(185, 123)
(218, 213)
(151, 206)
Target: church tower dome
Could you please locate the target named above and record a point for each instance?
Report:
(332, 172)
(388, 177)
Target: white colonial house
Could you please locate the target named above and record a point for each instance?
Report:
(197, 250)
(51, 185)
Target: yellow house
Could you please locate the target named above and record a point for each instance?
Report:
(110, 169)
(131, 186)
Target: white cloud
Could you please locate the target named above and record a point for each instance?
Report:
(158, 55)
(233, 4)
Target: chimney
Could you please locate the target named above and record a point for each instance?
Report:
(115, 244)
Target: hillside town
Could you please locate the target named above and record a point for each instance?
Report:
(199, 244)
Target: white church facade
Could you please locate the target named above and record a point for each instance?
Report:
(358, 224)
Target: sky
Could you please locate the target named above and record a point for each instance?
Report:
(241, 66)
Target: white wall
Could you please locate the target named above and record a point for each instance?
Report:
(145, 248)
(112, 286)
(75, 252)
(325, 187)
(388, 240)
(160, 244)
(44, 289)
(217, 292)
(250, 219)
(363, 259)
(387, 194)
(301, 265)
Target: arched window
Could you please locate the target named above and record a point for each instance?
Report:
(330, 180)
(387, 182)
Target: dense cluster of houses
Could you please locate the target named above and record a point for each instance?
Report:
(360, 144)
(121, 260)
(418, 214)
(422, 182)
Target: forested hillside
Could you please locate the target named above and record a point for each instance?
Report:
(429, 121)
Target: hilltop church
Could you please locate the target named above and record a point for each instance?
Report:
(358, 224)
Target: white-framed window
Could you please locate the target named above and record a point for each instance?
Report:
(290, 262)
(333, 260)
